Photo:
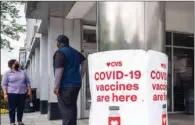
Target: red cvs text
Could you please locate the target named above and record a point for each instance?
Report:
(114, 64)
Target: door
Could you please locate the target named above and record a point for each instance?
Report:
(86, 95)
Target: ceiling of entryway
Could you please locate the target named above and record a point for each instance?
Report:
(179, 16)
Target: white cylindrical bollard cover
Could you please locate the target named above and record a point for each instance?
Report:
(128, 87)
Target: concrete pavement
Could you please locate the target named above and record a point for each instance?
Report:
(38, 119)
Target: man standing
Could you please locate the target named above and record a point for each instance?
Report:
(69, 67)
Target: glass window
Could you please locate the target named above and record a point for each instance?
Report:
(169, 89)
(180, 39)
(89, 36)
(183, 77)
(168, 38)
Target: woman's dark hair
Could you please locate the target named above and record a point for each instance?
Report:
(11, 62)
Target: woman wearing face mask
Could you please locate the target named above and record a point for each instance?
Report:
(16, 86)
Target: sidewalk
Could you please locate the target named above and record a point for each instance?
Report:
(37, 119)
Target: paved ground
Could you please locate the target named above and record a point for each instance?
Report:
(181, 119)
(37, 119)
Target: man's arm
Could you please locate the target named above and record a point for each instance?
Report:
(83, 68)
(83, 62)
(59, 67)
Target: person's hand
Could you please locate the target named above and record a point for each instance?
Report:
(5, 97)
(30, 96)
(29, 93)
(56, 91)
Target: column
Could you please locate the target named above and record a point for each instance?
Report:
(33, 71)
(72, 29)
(43, 74)
(55, 29)
(37, 77)
(27, 70)
(30, 76)
(131, 25)
(30, 70)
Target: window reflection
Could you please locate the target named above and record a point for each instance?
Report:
(186, 40)
(168, 38)
(183, 76)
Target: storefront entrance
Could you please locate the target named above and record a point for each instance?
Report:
(89, 46)
(180, 50)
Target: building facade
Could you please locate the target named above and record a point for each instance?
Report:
(84, 24)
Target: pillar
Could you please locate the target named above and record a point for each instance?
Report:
(27, 70)
(30, 76)
(55, 29)
(30, 70)
(72, 29)
(37, 77)
(131, 25)
(43, 74)
(33, 71)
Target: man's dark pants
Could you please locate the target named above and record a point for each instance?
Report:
(16, 101)
(67, 101)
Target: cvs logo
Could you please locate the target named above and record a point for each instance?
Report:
(163, 66)
(114, 64)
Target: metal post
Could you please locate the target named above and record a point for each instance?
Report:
(131, 25)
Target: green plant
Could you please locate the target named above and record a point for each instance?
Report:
(3, 103)
(10, 29)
